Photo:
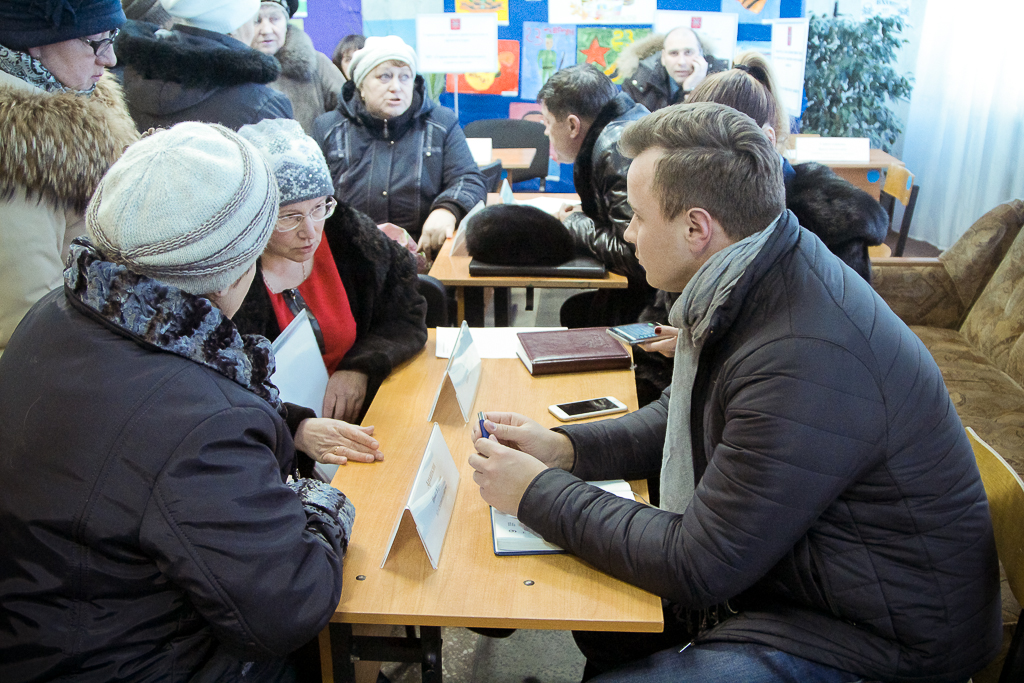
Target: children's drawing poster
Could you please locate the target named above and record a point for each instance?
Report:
(601, 11)
(499, 7)
(601, 46)
(546, 49)
(505, 81)
(752, 11)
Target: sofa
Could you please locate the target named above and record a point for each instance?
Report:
(967, 306)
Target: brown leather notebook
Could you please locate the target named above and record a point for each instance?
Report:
(578, 350)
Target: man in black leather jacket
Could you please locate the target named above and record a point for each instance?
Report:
(584, 115)
(821, 514)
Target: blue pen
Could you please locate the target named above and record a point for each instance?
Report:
(483, 431)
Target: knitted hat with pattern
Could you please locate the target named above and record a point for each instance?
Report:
(298, 163)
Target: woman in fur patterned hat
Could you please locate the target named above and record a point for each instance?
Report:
(358, 285)
(310, 79)
(64, 123)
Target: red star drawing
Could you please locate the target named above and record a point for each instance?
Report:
(595, 53)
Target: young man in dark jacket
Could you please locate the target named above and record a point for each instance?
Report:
(584, 115)
(201, 70)
(821, 516)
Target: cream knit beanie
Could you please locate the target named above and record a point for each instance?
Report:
(219, 16)
(377, 51)
(193, 206)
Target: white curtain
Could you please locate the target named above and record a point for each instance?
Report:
(965, 130)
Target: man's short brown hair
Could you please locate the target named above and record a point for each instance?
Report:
(713, 158)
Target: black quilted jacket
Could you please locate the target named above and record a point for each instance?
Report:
(838, 504)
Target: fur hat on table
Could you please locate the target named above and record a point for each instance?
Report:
(518, 235)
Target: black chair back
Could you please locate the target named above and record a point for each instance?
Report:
(437, 300)
(506, 133)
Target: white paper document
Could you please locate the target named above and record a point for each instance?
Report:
(789, 57)
(301, 375)
(457, 43)
(491, 342)
(835, 150)
(480, 148)
(512, 537)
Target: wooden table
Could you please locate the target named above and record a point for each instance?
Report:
(453, 271)
(869, 176)
(514, 157)
(471, 586)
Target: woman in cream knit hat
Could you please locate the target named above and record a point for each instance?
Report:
(158, 526)
(384, 129)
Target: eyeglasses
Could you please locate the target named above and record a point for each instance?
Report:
(294, 220)
(101, 47)
(296, 304)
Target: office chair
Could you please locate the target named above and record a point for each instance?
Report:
(492, 175)
(899, 186)
(506, 133)
(1005, 493)
(436, 295)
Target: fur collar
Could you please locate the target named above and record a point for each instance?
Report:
(832, 208)
(297, 56)
(629, 60)
(156, 314)
(192, 57)
(57, 146)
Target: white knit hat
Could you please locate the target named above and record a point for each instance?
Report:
(220, 16)
(193, 206)
(377, 51)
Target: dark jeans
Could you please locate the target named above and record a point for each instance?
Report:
(726, 663)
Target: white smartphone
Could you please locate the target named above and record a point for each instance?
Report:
(592, 407)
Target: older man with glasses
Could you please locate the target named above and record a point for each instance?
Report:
(64, 123)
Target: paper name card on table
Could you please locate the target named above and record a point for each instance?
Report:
(461, 378)
(480, 148)
(512, 537)
(506, 193)
(431, 500)
(833, 150)
(459, 245)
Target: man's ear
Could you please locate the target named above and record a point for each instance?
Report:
(700, 229)
(770, 132)
(575, 125)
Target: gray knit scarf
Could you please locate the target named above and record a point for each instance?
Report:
(706, 291)
(25, 67)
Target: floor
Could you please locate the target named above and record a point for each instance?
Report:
(530, 656)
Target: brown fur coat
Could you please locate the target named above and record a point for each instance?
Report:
(58, 146)
(55, 149)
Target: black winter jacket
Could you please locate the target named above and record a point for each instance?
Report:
(380, 280)
(399, 171)
(189, 74)
(649, 84)
(838, 505)
(146, 532)
(599, 175)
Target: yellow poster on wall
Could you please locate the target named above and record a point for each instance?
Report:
(500, 7)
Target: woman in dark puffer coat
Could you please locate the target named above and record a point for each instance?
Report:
(155, 524)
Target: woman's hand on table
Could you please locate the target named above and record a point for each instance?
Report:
(333, 442)
(439, 224)
(666, 346)
(346, 391)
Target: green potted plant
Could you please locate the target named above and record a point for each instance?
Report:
(850, 78)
